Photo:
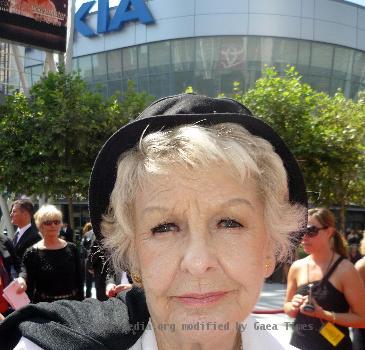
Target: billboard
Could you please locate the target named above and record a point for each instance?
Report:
(39, 23)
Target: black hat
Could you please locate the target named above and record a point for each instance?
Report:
(170, 112)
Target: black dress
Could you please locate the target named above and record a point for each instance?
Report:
(53, 274)
(306, 334)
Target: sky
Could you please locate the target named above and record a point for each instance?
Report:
(359, 2)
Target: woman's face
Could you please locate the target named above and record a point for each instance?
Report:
(313, 244)
(202, 248)
(51, 227)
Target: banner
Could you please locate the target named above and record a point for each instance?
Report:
(39, 23)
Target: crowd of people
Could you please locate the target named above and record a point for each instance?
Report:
(47, 264)
(198, 201)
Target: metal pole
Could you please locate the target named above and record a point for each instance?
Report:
(70, 36)
(20, 69)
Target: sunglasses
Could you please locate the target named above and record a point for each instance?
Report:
(50, 222)
(312, 231)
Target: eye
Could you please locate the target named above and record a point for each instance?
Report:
(228, 223)
(165, 227)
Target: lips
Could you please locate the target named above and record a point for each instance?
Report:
(201, 299)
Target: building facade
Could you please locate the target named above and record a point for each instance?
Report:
(209, 44)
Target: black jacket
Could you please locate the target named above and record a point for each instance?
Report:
(28, 238)
(7, 253)
(115, 324)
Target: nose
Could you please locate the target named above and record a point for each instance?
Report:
(199, 256)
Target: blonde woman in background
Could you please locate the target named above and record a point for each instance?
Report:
(51, 268)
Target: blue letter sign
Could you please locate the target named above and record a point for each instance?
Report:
(127, 10)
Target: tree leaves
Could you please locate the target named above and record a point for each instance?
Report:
(326, 134)
(48, 142)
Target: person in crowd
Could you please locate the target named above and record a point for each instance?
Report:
(353, 238)
(7, 254)
(26, 235)
(196, 199)
(354, 254)
(51, 268)
(87, 241)
(67, 233)
(324, 289)
(7, 260)
(359, 333)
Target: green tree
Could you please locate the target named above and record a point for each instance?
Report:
(326, 134)
(48, 142)
(340, 176)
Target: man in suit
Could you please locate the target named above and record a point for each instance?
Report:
(26, 235)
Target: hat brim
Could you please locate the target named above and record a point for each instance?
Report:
(104, 172)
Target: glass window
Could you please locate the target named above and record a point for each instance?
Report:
(129, 62)
(143, 59)
(85, 67)
(114, 87)
(125, 83)
(159, 57)
(304, 55)
(232, 54)
(227, 79)
(359, 67)
(75, 65)
(321, 63)
(284, 52)
(37, 72)
(319, 83)
(253, 53)
(183, 55)
(143, 84)
(28, 76)
(337, 84)
(355, 88)
(99, 66)
(181, 80)
(342, 64)
(101, 88)
(159, 85)
(207, 53)
(114, 59)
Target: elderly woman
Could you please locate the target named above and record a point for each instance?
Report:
(51, 268)
(196, 199)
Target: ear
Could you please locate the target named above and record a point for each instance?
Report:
(331, 232)
(269, 265)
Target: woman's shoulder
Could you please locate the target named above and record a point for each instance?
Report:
(299, 264)
(344, 265)
(31, 251)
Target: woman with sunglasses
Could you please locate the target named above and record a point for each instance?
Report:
(325, 294)
(51, 269)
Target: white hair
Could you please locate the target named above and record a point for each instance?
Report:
(193, 147)
(47, 212)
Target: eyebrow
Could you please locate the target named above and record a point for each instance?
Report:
(230, 203)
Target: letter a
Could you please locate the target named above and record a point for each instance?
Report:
(130, 10)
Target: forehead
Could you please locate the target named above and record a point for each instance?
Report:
(312, 220)
(207, 187)
(16, 207)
